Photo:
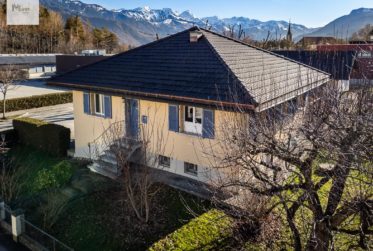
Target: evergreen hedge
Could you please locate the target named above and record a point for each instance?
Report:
(50, 138)
(25, 103)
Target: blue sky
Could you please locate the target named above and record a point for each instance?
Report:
(312, 13)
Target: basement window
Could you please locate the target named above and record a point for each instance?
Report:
(164, 161)
(191, 169)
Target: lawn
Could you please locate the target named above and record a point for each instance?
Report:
(105, 221)
(90, 212)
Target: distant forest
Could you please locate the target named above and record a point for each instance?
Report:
(55, 35)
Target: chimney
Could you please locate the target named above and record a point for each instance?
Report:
(195, 36)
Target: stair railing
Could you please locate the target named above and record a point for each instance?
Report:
(115, 132)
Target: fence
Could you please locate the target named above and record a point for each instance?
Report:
(43, 238)
(8, 215)
(27, 233)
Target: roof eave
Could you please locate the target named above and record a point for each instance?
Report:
(216, 103)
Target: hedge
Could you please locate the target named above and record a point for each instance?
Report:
(51, 138)
(25, 103)
(209, 231)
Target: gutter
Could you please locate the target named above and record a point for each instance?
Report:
(158, 96)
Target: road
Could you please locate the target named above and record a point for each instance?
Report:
(58, 114)
(7, 244)
(31, 88)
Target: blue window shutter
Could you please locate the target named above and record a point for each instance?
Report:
(173, 118)
(208, 130)
(108, 106)
(87, 103)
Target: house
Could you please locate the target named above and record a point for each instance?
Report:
(312, 42)
(362, 70)
(184, 86)
(37, 65)
(339, 64)
(66, 63)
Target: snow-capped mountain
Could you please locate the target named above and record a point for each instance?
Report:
(139, 26)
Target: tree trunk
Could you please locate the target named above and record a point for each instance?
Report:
(4, 106)
(320, 237)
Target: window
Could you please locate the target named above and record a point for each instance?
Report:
(98, 102)
(190, 168)
(193, 120)
(364, 54)
(164, 161)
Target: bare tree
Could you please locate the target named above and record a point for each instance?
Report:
(139, 179)
(316, 167)
(10, 76)
(10, 184)
(234, 33)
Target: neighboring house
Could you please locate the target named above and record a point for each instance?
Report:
(37, 65)
(339, 64)
(311, 43)
(66, 63)
(362, 70)
(185, 87)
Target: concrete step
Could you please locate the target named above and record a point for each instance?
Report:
(104, 169)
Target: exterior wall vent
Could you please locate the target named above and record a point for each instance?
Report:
(195, 36)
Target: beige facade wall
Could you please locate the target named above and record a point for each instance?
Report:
(180, 147)
(88, 127)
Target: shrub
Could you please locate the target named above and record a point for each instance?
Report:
(209, 231)
(37, 101)
(11, 137)
(56, 177)
(51, 138)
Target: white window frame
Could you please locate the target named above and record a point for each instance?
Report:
(102, 104)
(364, 54)
(195, 169)
(193, 127)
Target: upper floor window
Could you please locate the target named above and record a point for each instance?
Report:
(193, 120)
(97, 104)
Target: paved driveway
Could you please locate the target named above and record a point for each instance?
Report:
(59, 114)
(31, 88)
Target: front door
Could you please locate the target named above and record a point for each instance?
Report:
(132, 118)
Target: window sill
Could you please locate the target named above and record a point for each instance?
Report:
(191, 134)
(191, 174)
(97, 115)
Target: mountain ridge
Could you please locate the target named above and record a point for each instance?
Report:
(142, 25)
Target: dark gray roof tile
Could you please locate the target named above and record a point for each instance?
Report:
(214, 68)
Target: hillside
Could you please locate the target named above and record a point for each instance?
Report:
(345, 26)
(140, 25)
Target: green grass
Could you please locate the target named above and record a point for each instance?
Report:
(31, 163)
(206, 232)
(303, 217)
(100, 222)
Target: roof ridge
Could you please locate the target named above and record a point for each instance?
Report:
(225, 65)
(262, 50)
(129, 51)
